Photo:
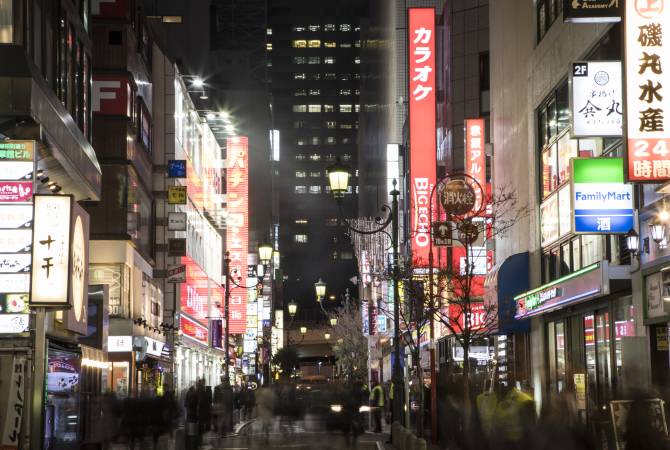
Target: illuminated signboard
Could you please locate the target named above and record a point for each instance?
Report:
(16, 191)
(194, 330)
(17, 151)
(477, 316)
(647, 64)
(596, 99)
(237, 232)
(422, 129)
(110, 95)
(475, 156)
(194, 292)
(592, 11)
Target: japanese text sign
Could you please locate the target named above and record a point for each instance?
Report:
(475, 157)
(647, 65)
(596, 99)
(15, 402)
(193, 330)
(602, 202)
(237, 233)
(422, 132)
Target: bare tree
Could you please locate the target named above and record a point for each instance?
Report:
(351, 349)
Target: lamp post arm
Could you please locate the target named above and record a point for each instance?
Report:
(383, 223)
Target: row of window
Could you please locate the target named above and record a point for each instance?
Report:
(329, 124)
(316, 140)
(317, 157)
(344, 27)
(329, 222)
(315, 91)
(343, 108)
(326, 76)
(313, 174)
(319, 60)
(316, 43)
(547, 13)
(315, 189)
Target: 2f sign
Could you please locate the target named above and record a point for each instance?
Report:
(580, 70)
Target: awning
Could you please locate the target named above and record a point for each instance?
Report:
(506, 280)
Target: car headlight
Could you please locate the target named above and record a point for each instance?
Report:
(336, 408)
(364, 408)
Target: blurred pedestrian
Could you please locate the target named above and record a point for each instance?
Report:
(377, 406)
(641, 434)
(265, 407)
(204, 398)
(191, 406)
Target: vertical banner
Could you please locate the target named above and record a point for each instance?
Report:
(422, 132)
(475, 156)
(14, 407)
(647, 74)
(237, 233)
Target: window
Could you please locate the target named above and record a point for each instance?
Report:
(330, 76)
(346, 157)
(330, 44)
(300, 108)
(268, 46)
(330, 140)
(357, 107)
(314, 108)
(315, 174)
(346, 140)
(327, 190)
(330, 157)
(301, 221)
(315, 157)
(346, 126)
(346, 108)
(299, 43)
(330, 124)
(329, 60)
(345, 44)
(300, 141)
(299, 76)
(298, 60)
(328, 108)
(557, 338)
(357, 60)
(300, 157)
(298, 28)
(345, 91)
(300, 238)
(345, 27)
(315, 76)
(268, 31)
(315, 189)
(331, 222)
(300, 174)
(329, 27)
(345, 76)
(300, 189)
(314, 60)
(300, 92)
(315, 140)
(144, 125)
(346, 255)
(547, 12)
(314, 43)
(314, 28)
(299, 124)
(315, 92)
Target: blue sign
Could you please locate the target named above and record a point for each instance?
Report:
(176, 168)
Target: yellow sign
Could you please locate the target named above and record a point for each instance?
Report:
(176, 195)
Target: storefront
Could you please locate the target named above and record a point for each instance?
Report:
(657, 318)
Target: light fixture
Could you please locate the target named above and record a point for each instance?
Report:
(333, 321)
(303, 330)
(197, 82)
(657, 230)
(224, 115)
(338, 178)
(327, 336)
(204, 96)
(633, 242)
(320, 288)
(210, 116)
(265, 252)
(292, 308)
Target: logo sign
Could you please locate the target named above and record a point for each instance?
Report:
(176, 221)
(647, 77)
(16, 191)
(176, 274)
(237, 232)
(176, 168)
(17, 151)
(596, 99)
(441, 234)
(422, 131)
(602, 202)
(476, 317)
(110, 95)
(458, 197)
(194, 330)
(120, 344)
(177, 247)
(177, 195)
(154, 347)
(592, 11)
(78, 316)
(50, 278)
(475, 157)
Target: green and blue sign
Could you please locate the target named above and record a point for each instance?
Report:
(602, 203)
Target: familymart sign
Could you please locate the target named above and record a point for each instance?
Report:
(601, 202)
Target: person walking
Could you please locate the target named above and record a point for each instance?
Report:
(191, 406)
(377, 406)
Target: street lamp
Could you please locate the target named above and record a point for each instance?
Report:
(292, 309)
(326, 336)
(303, 330)
(265, 252)
(657, 232)
(333, 321)
(320, 288)
(633, 242)
(338, 177)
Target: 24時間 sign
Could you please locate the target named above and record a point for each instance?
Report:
(602, 202)
(647, 77)
(237, 233)
(421, 55)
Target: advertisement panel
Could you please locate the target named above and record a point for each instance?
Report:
(422, 128)
(77, 316)
(194, 330)
(474, 312)
(194, 291)
(475, 156)
(596, 99)
(592, 11)
(237, 232)
(601, 201)
(646, 56)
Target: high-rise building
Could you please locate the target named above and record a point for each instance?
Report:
(314, 54)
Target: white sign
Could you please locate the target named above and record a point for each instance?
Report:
(154, 347)
(12, 241)
(596, 99)
(176, 221)
(14, 406)
(19, 282)
(14, 323)
(50, 277)
(176, 274)
(120, 344)
(14, 262)
(16, 170)
(79, 267)
(16, 216)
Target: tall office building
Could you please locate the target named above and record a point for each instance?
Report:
(314, 53)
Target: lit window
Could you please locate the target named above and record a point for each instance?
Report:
(329, 60)
(315, 157)
(330, 140)
(331, 124)
(357, 76)
(315, 92)
(300, 92)
(300, 238)
(314, 43)
(345, 44)
(330, 157)
(346, 108)
(299, 124)
(346, 140)
(314, 28)
(327, 189)
(314, 108)
(298, 60)
(301, 221)
(357, 108)
(300, 157)
(357, 43)
(299, 108)
(329, 27)
(299, 28)
(346, 126)
(328, 108)
(268, 31)
(346, 255)
(357, 92)
(300, 141)
(330, 76)
(345, 76)
(299, 76)
(357, 60)
(346, 157)
(315, 140)
(315, 76)
(330, 44)
(315, 174)
(315, 189)
(300, 174)
(334, 254)
(345, 91)
(314, 60)
(331, 222)
(345, 27)
(268, 46)
(300, 189)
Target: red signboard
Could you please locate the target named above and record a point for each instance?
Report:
(110, 95)
(422, 131)
(475, 156)
(237, 233)
(109, 8)
(16, 191)
(194, 330)
(477, 316)
(194, 291)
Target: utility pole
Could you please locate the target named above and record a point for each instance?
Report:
(397, 376)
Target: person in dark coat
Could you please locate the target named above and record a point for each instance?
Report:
(191, 406)
(204, 397)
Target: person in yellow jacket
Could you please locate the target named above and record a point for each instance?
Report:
(506, 416)
(377, 406)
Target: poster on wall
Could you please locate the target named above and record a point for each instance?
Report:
(596, 99)
(647, 53)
